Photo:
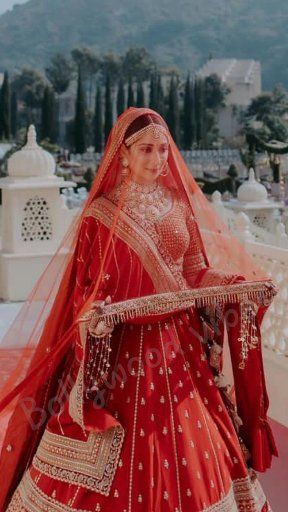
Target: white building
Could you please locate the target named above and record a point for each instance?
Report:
(34, 218)
(243, 78)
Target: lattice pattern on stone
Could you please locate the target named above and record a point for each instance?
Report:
(36, 224)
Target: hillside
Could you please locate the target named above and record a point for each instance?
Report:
(184, 33)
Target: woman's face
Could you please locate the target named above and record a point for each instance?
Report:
(147, 157)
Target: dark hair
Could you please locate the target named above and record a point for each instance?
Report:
(141, 122)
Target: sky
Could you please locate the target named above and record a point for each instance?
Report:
(8, 4)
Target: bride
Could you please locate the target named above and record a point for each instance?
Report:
(124, 406)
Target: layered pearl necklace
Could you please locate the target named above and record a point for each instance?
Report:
(148, 201)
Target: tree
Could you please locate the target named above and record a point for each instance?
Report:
(215, 92)
(48, 118)
(188, 128)
(5, 109)
(160, 96)
(200, 112)
(265, 116)
(98, 122)
(111, 65)
(153, 92)
(29, 86)
(140, 99)
(14, 114)
(90, 65)
(173, 110)
(59, 73)
(137, 64)
(131, 99)
(120, 98)
(108, 108)
(80, 119)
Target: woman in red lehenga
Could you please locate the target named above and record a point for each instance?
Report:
(125, 406)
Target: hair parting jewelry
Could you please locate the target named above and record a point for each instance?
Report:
(155, 128)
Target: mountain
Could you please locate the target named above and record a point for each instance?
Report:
(182, 33)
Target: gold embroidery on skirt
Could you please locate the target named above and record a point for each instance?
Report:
(29, 498)
(91, 464)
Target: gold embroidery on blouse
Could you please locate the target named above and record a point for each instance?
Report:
(136, 237)
(91, 464)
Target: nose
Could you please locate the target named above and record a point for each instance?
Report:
(157, 159)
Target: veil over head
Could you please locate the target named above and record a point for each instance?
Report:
(48, 320)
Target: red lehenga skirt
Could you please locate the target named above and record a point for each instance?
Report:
(175, 448)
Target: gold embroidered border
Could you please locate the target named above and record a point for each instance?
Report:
(130, 232)
(258, 292)
(91, 464)
(29, 498)
(249, 495)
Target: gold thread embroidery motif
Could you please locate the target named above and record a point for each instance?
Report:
(243, 495)
(136, 238)
(91, 464)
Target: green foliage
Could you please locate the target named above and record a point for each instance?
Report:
(173, 119)
(131, 98)
(59, 73)
(111, 65)
(120, 98)
(140, 100)
(14, 114)
(98, 122)
(5, 109)
(137, 64)
(188, 117)
(48, 116)
(266, 116)
(80, 119)
(108, 108)
(29, 86)
(184, 33)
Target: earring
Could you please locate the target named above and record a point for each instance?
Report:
(125, 167)
(167, 170)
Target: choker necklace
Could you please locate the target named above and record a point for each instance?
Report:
(148, 201)
(144, 188)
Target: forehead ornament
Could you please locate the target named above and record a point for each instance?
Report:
(155, 129)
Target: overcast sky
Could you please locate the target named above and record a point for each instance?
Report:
(8, 4)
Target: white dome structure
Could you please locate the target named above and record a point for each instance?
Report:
(34, 219)
(252, 191)
(31, 160)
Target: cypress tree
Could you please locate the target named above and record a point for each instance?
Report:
(153, 93)
(131, 99)
(80, 120)
(98, 122)
(108, 108)
(160, 97)
(14, 114)
(5, 112)
(140, 102)
(48, 115)
(173, 110)
(120, 98)
(200, 123)
(187, 116)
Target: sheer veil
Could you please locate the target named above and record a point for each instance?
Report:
(47, 320)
